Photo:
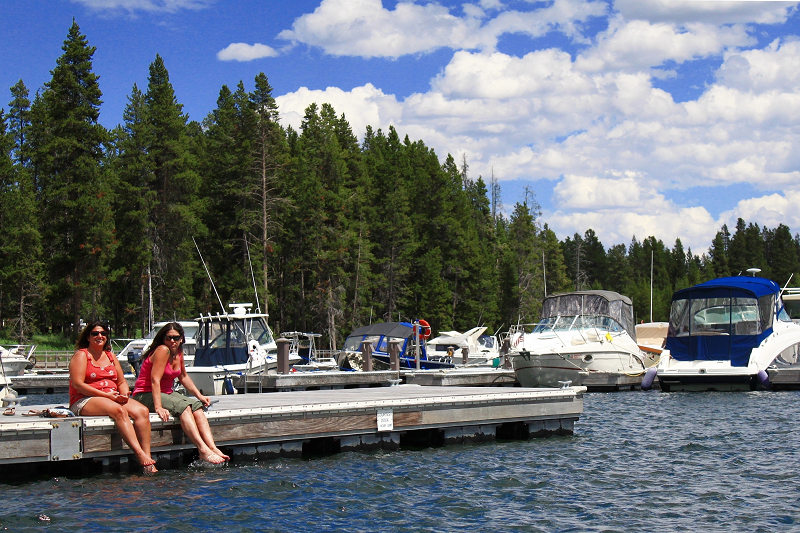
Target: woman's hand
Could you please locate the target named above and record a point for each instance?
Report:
(205, 400)
(162, 413)
(121, 399)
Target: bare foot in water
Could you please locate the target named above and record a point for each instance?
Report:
(212, 458)
(149, 466)
(219, 452)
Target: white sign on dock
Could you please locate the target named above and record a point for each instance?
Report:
(385, 420)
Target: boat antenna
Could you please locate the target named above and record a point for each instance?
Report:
(498, 329)
(209, 276)
(787, 284)
(252, 276)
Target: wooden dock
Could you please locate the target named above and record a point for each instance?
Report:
(456, 377)
(296, 424)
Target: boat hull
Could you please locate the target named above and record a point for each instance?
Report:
(552, 370)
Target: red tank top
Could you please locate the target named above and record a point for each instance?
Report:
(102, 378)
(143, 383)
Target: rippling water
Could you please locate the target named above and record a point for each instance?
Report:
(637, 461)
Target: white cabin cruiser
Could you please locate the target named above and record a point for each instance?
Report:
(232, 345)
(483, 350)
(580, 333)
(17, 358)
(725, 333)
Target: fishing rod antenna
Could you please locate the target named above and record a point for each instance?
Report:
(209, 277)
(252, 276)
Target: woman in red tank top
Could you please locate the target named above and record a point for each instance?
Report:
(162, 364)
(97, 387)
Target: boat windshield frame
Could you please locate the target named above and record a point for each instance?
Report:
(578, 322)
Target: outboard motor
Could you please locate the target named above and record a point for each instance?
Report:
(135, 360)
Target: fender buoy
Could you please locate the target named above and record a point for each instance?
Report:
(424, 328)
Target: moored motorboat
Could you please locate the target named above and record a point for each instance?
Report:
(230, 346)
(482, 350)
(132, 352)
(380, 335)
(725, 333)
(581, 333)
(17, 358)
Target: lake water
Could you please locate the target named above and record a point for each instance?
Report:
(637, 462)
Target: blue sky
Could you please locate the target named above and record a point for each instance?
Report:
(630, 117)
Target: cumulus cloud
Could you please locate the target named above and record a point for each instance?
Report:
(637, 45)
(710, 12)
(144, 5)
(364, 28)
(245, 52)
(769, 211)
(596, 123)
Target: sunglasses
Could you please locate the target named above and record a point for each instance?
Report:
(175, 338)
(99, 333)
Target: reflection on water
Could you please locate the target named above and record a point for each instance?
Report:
(638, 461)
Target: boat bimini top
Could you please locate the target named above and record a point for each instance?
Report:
(592, 303)
(723, 319)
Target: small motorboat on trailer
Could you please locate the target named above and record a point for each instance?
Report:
(580, 333)
(724, 334)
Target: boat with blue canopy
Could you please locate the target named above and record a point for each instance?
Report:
(724, 334)
(380, 335)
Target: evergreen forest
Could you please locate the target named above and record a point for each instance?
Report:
(330, 230)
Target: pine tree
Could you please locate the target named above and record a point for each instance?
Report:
(176, 212)
(76, 212)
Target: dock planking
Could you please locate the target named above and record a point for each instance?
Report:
(297, 424)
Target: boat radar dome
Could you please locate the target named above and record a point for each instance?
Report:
(240, 309)
(754, 271)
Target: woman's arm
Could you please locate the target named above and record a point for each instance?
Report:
(77, 375)
(160, 359)
(190, 387)
(122, 383)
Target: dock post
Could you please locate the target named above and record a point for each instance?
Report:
(504, 353)
(464, 355)
(366, 353)
(283, 355)
(394, 355)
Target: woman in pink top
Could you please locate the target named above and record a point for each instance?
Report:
(161, 364)
(97, 387)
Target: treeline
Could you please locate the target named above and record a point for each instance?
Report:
(328, 232)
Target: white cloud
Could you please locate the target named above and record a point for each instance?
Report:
(634, 46)
(775, 68)
(363, 106)
(598, 126)
(364, 28)
(245, 52)
(769, 211)
(710, 12)
(145, 5)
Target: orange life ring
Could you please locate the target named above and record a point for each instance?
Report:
(424, 328)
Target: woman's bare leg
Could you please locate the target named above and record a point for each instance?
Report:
(141, 423)
(189, 426)
(205, 432)
(104, 407)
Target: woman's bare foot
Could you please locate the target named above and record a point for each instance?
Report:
(219, 452)
(149, 466)
(212, 458)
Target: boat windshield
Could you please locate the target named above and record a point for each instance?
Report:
(383, 345)
(716, 316)
(487, 341)
(567, 323)
(261, 332)
(353, 344)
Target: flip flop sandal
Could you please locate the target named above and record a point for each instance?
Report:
(10, 411)
(32, 412)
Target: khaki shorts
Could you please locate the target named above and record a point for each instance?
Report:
(174, 402)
